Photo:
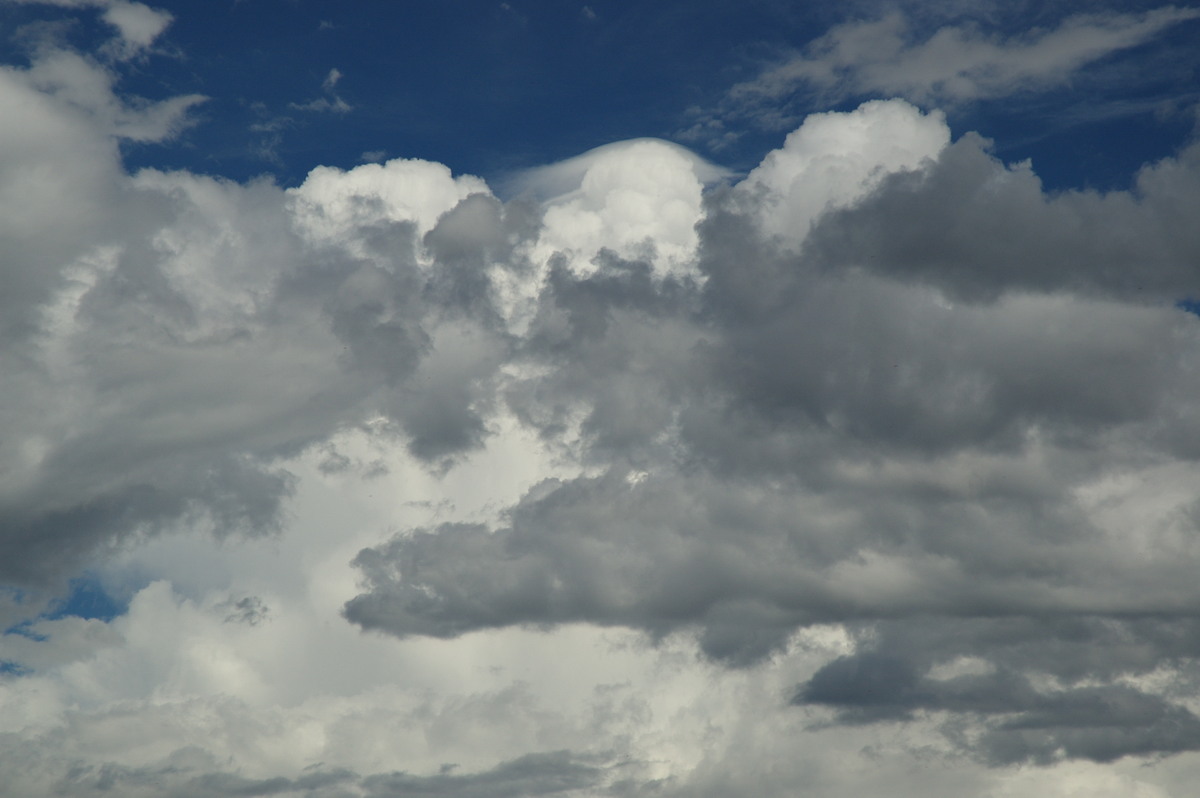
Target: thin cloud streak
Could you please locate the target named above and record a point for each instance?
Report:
(952, 66)
(957, 63)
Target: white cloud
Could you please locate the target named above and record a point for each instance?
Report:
(639, 199)
(332, 204)
(833, 160)
(952, 64)
(85, 87)
(138, 25)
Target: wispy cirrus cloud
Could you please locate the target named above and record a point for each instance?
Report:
(946, 65)
(330, 102)
(956, 63)
(138, 25)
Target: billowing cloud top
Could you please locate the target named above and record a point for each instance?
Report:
(642, 475)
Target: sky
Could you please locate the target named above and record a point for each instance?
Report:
(665, 400)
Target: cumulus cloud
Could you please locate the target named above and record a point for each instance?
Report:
(1123, 242)
(175, 697)
(153, 329)
(835, 160)
(639, 199)
(803, 437)
(882, 430)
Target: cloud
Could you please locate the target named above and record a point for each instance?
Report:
(85, 88)
(882, 431)
(534, 774)
(1021, 722)
(956, 64)
(193, 773)
(835, 160)
(324, 104)
(173, 696)
(138, 25)
(966, 241)
(796, 437)
(638, 198)
(331, 102)
(152, 318)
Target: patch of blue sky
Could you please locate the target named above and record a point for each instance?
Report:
(1189, 305)
(485, 87)
(17, 597)
(86, 597)
(491, 87)
(10, 668)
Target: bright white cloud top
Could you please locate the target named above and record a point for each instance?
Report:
(869, 471)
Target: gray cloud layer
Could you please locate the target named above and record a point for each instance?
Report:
(193, 773)
(959, 400)
(1019, 721)
(931, 227)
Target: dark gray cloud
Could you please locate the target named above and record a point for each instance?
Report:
(1041, 688)
(1020, 722)
(249, 609)
(832, 434)
(601, 550)
(622, 351)
(977, 229)
(827, 428)
(231, 495)
(192, 773)
(551, 773)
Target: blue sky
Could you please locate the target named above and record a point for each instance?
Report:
(492, 87)
(662, 400)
